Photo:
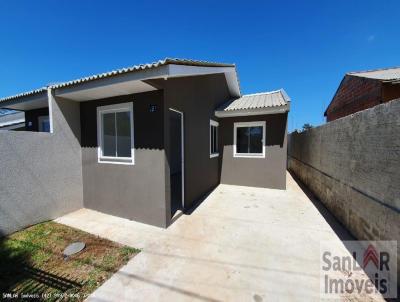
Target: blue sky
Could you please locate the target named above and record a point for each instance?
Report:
(304, 47)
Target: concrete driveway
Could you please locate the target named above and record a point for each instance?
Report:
(240, 244)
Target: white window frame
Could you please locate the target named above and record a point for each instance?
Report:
(41, 119)
(249, 124)
(122, 107)
(214, 124)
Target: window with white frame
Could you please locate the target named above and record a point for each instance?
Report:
(249, 139)
(213, 138)
(115, 133)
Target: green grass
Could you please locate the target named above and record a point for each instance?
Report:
(31, 262)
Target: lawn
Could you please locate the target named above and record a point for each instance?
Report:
(32, 263)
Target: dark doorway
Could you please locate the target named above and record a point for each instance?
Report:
(176, 159)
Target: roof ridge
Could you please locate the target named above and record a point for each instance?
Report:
(262, 93)
(372, 70)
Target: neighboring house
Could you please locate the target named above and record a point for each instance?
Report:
(365, 89)
(13, 120)
(145, 141)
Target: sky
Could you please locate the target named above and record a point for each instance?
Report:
(305, 47)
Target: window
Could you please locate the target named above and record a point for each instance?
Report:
(213, 139)
(115, 133)
(44, 123)
(249, 139)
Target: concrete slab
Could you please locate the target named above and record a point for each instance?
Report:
(240, 244)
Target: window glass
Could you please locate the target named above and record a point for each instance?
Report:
(109, 148)
(123, 134)
(255, 139)
(249, 140)
(213, 138)
(242, 140)
(115, 133)
(44, 124)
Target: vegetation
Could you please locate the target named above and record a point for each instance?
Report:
(32, 263)
(307, 126)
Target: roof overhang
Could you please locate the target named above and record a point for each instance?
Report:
(251, 112)
(28, 102)
(13, 126)
(136, 82)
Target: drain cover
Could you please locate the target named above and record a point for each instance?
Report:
(74, 248)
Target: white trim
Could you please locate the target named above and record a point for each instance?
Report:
(50, 99)
(214, 124)
(74, 91)
(249, 124)
(249, 112)
(122, 107)
(13, 126)
(40, 121)
(182, 156)
(12, 122)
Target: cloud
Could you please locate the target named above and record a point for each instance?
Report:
(371, 38)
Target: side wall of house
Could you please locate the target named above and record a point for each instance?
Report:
(268, 172)
(41, 175)
(354, 94)
(197, 97)
(131, 191)
(352, 165)
(390, 91)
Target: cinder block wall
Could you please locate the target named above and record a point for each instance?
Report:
(353, 166)
(41, 173)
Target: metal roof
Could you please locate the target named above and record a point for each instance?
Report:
(257, 101)
(134, 68)
(12, 119)
(20, 95)
(143, 67)
(386, 74)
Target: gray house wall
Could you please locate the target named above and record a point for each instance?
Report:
(197, 98)
(268, 172)
(41, 175)
(131, 191)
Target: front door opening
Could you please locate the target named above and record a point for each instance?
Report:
(176, 160)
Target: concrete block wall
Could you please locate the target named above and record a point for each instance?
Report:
(353, 166)
(41, 173)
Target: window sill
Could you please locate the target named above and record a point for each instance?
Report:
(214, 155)
(116, 161)
(249, 155)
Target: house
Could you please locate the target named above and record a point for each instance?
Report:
(143, 142)
(364, 89)
(12, 120)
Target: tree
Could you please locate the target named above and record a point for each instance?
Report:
(307, 126)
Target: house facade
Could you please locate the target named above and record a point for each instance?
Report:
(362, 90)
(143, 142)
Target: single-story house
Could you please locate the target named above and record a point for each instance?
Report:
(146, 141)
(362, 90)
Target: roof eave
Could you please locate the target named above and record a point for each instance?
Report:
(251, 112)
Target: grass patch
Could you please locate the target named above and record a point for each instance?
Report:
(31, 263)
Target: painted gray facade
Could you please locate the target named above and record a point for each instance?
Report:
(197, 98)
(54, 173)
(268, 172)
(41, 173)
(131, 191)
